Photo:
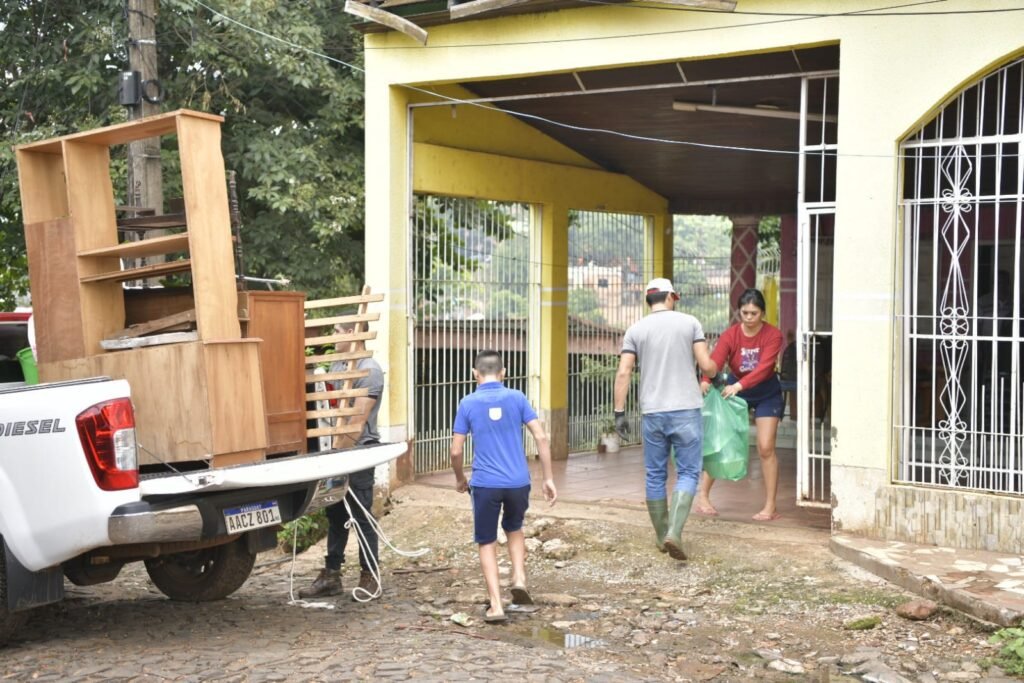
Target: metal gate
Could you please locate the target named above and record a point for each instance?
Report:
(960, 424)
(608, 263)
(475, 273)
(816, 209)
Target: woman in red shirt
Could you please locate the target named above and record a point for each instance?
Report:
(751, 348)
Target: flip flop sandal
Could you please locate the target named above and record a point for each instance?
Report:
(495, 618)
(522, 609)
(521, 596)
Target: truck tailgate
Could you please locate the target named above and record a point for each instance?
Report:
(299, 468)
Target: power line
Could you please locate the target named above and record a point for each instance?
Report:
(878, 12)
(560, 124)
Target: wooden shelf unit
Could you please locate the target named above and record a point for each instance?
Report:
(72, 233)
(195, 400)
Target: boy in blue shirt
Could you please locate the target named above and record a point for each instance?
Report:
(495, 415)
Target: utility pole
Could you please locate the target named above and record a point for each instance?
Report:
(145, 179)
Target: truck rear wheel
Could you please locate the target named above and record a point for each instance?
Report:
(203, 575)
(9, 621)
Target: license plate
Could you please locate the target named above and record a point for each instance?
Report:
(252, 516)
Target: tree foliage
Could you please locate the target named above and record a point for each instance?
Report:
(293, 126)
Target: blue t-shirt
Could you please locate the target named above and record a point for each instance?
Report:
(495, 415)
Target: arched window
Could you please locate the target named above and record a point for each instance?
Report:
(959, 374)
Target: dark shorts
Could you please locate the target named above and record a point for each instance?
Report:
(488, 503)
(765, 399)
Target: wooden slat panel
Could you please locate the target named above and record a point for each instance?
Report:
(118, 134)
(331, 376)
(209, 228)
(91, 204)
(166, 244)
(54, 280)
(342, 319)
(329, 431)
(152, 270)
(336, 394)
(340, 338)
(332, 412)
(345, 424)
(345, 301)
(331, 357)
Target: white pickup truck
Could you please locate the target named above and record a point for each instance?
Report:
(73, 503)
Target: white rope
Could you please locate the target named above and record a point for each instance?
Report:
(364, 547)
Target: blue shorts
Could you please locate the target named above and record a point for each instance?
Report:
(765, 399)
(488, 503)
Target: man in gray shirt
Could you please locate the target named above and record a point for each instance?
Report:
(665, 345)
(360, 486)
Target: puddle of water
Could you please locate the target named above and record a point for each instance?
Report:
(565, 640)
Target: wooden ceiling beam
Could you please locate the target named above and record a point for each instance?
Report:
(392, 21)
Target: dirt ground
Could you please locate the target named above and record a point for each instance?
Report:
(755, 602)
(749, 594)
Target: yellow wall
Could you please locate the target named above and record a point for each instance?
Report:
(475, 152)
(894, 72)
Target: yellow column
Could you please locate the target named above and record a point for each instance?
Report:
(664, 253)
(387, 256)
(554, 363)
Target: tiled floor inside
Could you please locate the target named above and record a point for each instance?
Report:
(591, 477)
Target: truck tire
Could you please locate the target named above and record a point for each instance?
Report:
(203, 575)
(9, 621)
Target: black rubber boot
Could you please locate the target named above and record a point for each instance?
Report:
(658, 510)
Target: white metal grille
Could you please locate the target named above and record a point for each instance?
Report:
(815, 231)
(959, 423)
(608, 264)
(475, 286)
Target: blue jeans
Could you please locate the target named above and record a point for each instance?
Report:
(678, 430)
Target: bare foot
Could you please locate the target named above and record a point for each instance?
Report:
(704, 507)
(763, 516)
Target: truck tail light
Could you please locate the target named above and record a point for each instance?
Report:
(107, 432)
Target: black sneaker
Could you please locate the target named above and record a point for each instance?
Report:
(327, 582)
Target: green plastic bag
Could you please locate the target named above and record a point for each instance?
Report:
(726, 436)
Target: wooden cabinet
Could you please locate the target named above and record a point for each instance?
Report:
(202, 399)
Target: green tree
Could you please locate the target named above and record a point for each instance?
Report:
(293, 121)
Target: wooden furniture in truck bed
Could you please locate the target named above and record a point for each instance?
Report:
(196, 400)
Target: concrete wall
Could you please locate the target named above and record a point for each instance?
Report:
(895, 72)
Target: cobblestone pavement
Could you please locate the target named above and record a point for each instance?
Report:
(254, 635)
(755, 603)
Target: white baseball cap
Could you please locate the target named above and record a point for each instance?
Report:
(660, 284)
